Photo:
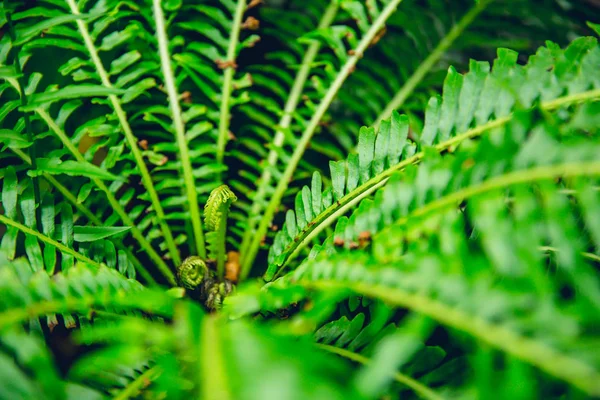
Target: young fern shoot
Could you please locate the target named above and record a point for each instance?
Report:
(215, 221)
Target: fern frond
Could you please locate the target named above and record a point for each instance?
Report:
(131, 139)
(438, 261)
(421, 41)
(85, 211)
(350, 62)
(465, 111)
(203, 341)
(232, 50)
(188, 178)
(284, 123)
(411, 83)
(28, 294)
(420, 389)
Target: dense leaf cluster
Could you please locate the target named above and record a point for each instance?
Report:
(317, 199)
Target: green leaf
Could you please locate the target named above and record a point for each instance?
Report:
(93, 233)
(47, 216)
(338, 178)
(69, 92)
(66, 231)
(13, 140)
(8, 71)
(595, 27)
(28, 33)
(9, 203)
(72, 168)
(366, 145)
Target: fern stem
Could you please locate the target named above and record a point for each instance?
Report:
(48, 240)
(134, 387)
(130, 137)
(135, 231)
(503, 181)
(529, 350)
(330, 215)
(221, 237)
(224, 115)
(213, 372)
(420, 389)
(437, 53)
(309, 131)
(89, 215)
(23, 98)
(188, 177)
(284, 123)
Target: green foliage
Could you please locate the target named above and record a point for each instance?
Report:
(451, 251)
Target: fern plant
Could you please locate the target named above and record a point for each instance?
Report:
(318, 199)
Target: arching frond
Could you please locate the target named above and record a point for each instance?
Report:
(466, 110)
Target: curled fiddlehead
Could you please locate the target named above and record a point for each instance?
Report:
(215, 221)
(192, 272)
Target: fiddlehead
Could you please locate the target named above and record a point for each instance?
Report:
(192, 272)
(215, 221)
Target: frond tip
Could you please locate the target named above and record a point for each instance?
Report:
(218, 202)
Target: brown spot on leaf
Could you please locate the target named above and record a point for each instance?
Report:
(468, 163)
(186, 97)
(364, 238)
(226, 64)
(381, 33)
(254, 3)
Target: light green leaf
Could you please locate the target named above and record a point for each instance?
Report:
(9, 202)
(69, 92)
(72, 168)
(8, 71)
(92, 233)
(29, 32)
(13, 140)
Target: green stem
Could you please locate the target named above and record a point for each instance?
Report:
(308, 133)
(130, 137)
(330, 215)
(421, 390)
(188, 177)
(89, 215)
(212, 373)
(424, 68)
(135, 387)
(228, 74)
(529, 350)
(284, 123)
(23, 97)
(116, 206)
(221, 235)
(47, 240)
